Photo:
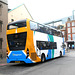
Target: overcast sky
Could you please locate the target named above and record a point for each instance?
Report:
(46, 10)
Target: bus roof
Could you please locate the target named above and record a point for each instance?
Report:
(19, 21)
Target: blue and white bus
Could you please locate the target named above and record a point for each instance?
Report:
(31, 42)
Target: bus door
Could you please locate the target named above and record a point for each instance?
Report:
(38, 52)
(38, 48)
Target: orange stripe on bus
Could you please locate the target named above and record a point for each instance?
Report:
(30, 42)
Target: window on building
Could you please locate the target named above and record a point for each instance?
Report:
(0, 43)
(69, 37)
(12, 20)
(0, 26)
(0, 9)
(68, 24)
(73, 23)
(73, 30)
(11, 15)
(73, 36)
(69, 30)
(63, 32)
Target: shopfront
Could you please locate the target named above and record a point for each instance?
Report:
(71, 44)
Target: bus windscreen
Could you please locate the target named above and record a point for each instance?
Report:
(16, 25)
(17, 41)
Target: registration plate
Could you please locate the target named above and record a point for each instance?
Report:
(17, 61)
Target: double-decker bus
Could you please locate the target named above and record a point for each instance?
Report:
(31, 42)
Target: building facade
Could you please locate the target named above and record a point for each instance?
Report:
(19, 13)
(70, 34)
(3, 23)
(63, 32)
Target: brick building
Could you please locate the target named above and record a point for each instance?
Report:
(64, 32)
(3, 23)
(70, 34)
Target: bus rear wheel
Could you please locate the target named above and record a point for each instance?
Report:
(43, 58)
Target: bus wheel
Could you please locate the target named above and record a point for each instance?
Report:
(60, 54)
(43, 58)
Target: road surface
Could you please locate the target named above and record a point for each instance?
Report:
(58, 66)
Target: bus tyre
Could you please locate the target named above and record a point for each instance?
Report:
(43, 58)
(60, 54)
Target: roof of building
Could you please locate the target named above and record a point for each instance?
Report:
(63, 20)
(14, 8)
(19, 6)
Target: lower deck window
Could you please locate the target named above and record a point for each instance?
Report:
(43, 45)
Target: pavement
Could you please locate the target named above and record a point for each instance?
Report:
(3, 61)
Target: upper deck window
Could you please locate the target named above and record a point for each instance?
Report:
(44, 29)
(33, 25)
(16, 25)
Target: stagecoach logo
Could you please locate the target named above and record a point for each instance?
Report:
(16, 54)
